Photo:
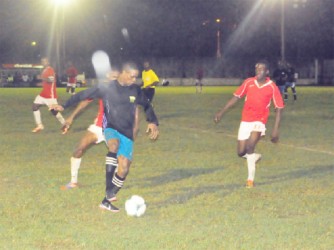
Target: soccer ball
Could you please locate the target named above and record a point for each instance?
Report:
(135, 206)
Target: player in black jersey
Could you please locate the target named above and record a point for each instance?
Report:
(120, 98)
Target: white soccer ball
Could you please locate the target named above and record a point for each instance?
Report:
(135, 206)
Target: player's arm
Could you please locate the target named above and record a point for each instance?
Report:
(136, 125)
(152, 127)
(92, 93)
(275, 133)
(82, 105)
(228, 105)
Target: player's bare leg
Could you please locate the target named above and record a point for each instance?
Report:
(86, 141)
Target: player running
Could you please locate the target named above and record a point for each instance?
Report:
(48, 95)
(120, 99)
(258, 91)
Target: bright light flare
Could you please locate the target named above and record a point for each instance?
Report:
(61, 2)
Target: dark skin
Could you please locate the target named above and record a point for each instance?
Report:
(126, 77)
(248, 146)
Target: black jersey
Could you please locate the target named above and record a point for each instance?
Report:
(119, 105)
(280, 76)
(290, 74)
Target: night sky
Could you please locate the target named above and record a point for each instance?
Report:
(166, 28)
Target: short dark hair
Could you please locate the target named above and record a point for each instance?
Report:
(264, 62)
(129, 66)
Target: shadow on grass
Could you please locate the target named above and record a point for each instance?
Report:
(186, 194)
(179, 174)
(301, 173)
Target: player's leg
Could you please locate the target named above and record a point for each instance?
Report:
(252, 157)
(293, 88)
(86, 141)
(38, 102)
(124, 148)
(68, 87)
(248, 136)
(287, 85)
(112, 140)
(57, 114)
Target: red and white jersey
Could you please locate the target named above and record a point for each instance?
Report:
(48, 83)
(72, 73)
(99, 118)
(258, 99)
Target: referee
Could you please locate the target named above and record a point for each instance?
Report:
(150, 80)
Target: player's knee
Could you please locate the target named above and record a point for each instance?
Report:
(35, 107)
(54, 112)
(78, 153)
(241, 153)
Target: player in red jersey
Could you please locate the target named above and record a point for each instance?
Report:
(258, 91)
(48, 95)
(71, 73)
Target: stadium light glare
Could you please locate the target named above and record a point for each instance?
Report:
(61, 2)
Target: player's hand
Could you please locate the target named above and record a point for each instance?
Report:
(217, 117)
(152, 131)
(56, 107)
(274, 137)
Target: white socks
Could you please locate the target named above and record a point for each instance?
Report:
(75, 165)
(37, 116)
(60, 118)
(251, 160)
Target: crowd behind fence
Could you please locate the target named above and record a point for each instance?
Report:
(183, 71)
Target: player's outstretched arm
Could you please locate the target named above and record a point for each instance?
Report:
(56, 107)
(152, 131)
(275, 133)
(82, 105)
(229, 104)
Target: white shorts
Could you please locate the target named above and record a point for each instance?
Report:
(96, 130)
(45, 101)
(246, 128)
(72, 85)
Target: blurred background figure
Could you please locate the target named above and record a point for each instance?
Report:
(280, 76)
(71, 73)
(291, 80)
(198, 80)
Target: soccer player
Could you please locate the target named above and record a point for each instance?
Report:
(72, 74)
(94, 134)
(120, 99)
(290, 82)
(47, 96)
(258, 91)
(150, 80)
(280, 76)
(198, 81)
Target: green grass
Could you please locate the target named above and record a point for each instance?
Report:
(191, 179)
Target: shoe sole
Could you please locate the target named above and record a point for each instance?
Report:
(68, 187)
(107, 209)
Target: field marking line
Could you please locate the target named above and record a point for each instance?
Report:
(280, 143)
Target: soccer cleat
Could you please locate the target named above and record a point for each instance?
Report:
(65, 129)
(68, 186)
(39, 128)
(250, 184)
(106, 205)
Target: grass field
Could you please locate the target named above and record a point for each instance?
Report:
(191, 179)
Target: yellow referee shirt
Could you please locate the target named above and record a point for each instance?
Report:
(149, 77)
